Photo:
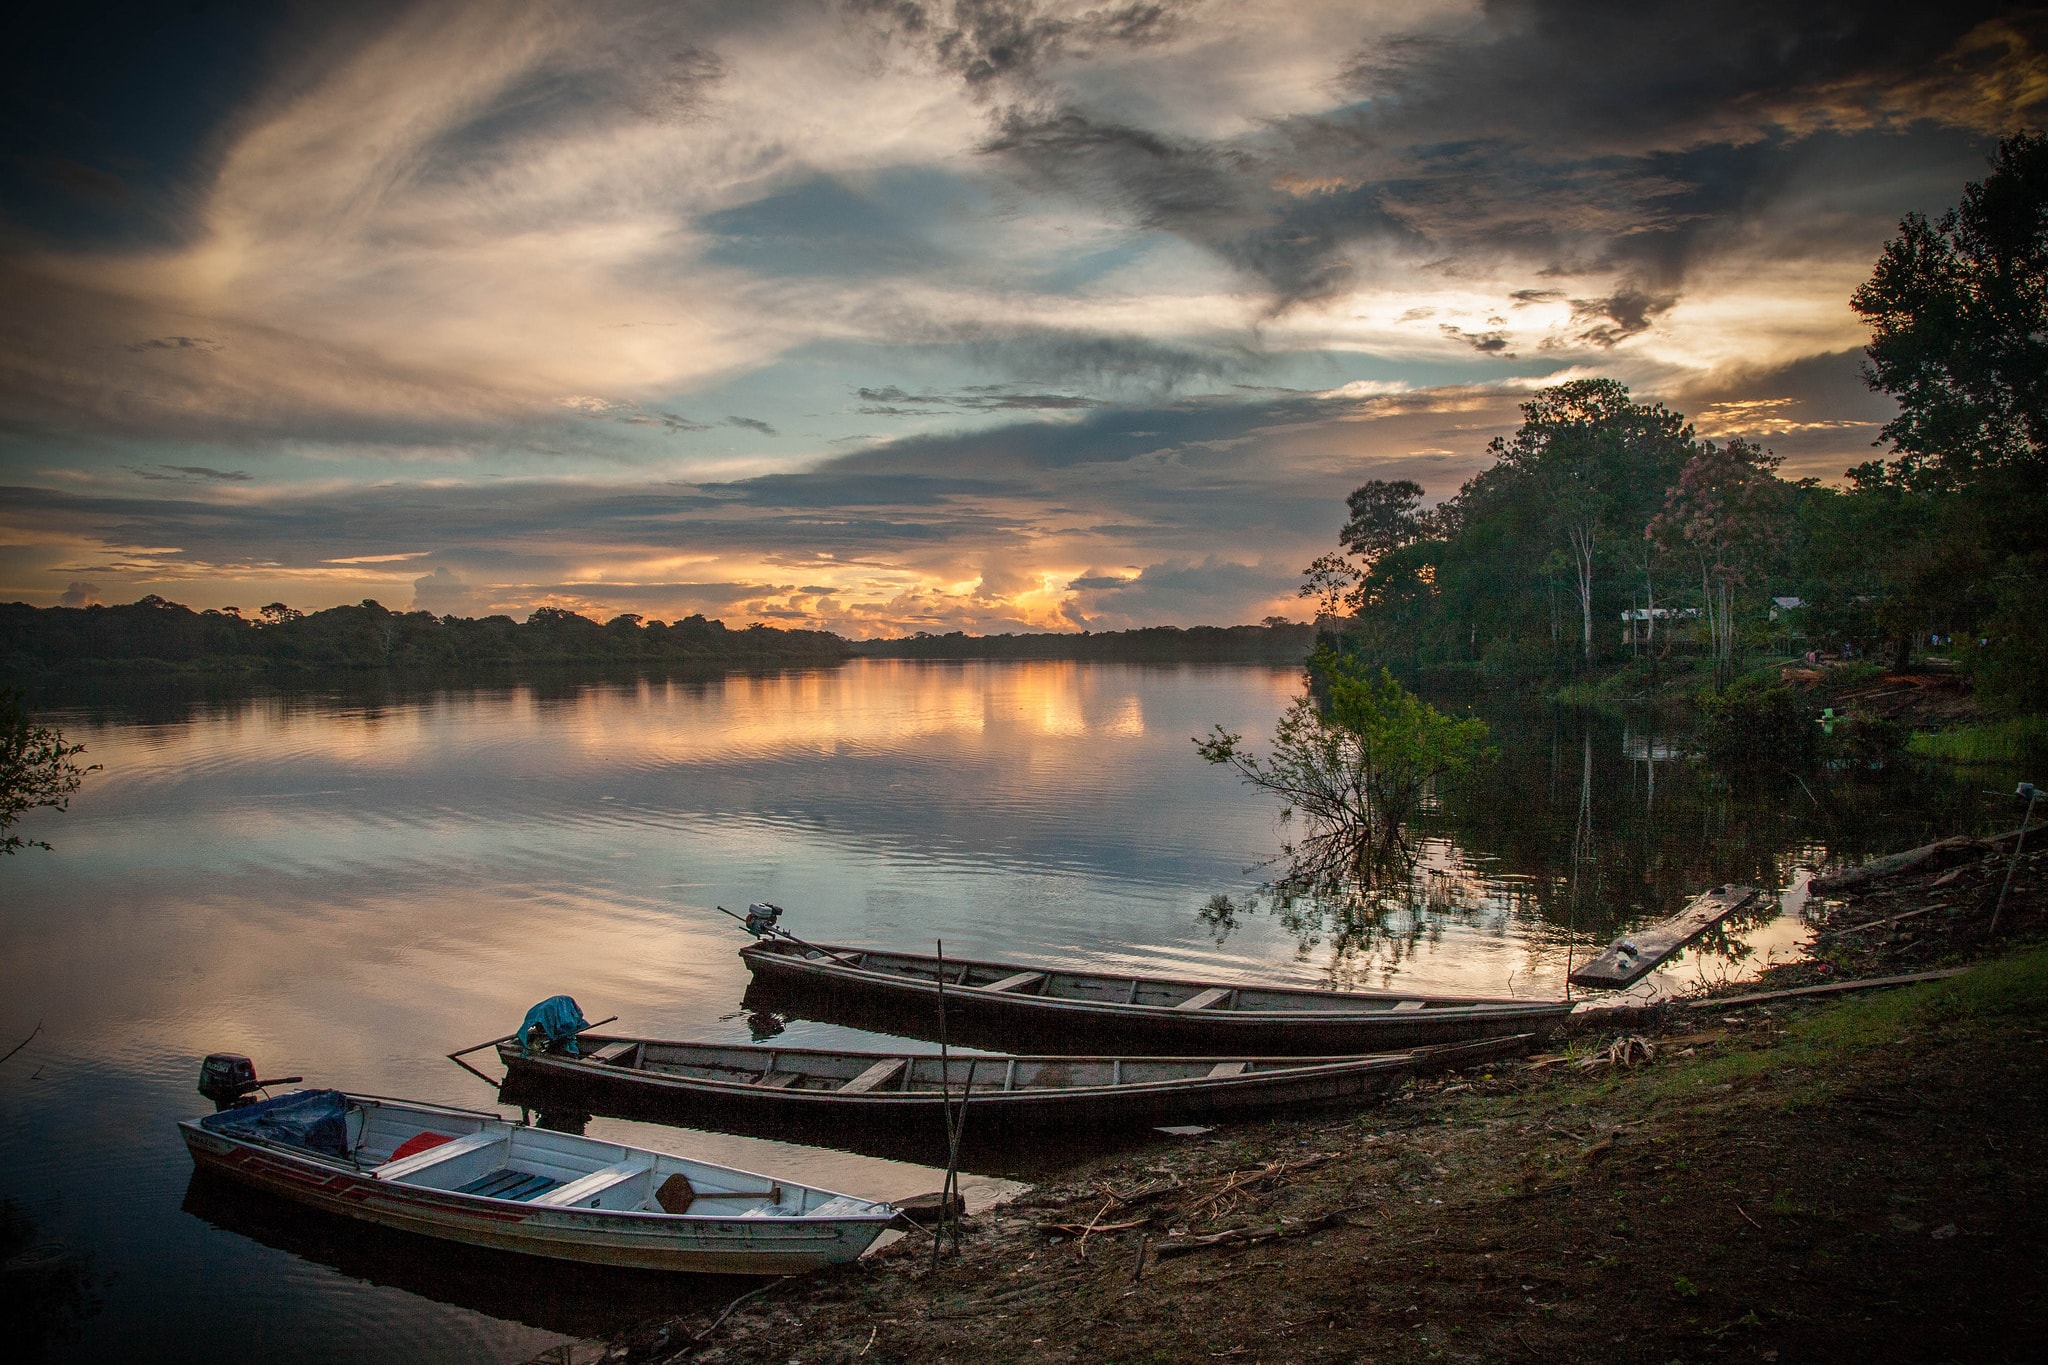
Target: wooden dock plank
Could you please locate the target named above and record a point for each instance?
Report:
(1633, 956)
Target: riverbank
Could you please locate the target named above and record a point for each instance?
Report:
(1864, 1176)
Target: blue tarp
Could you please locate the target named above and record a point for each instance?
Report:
(316, 1120)
(559, 1021)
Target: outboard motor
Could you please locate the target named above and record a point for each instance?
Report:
(230, 1081)
(761, 917)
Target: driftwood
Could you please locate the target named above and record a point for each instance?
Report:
(1252, 1236)
(1622, 1016)
(1927, 858)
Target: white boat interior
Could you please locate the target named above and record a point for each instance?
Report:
(463, 1152)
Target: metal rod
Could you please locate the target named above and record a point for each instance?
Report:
(945, 1113)
(952, 1187)
(2033, 795)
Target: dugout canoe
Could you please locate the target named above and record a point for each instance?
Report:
(1018, 1008)
(816, 1090)
(482, 1180)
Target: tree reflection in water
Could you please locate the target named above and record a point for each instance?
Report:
(1590, 822)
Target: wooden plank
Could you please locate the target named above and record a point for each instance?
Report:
(1022, 981)
(1634, 956)
(777, 1080)
(1223, 1070)
(1205, 999)
(880, 1074)
(1410, 1006)
(611, 1052)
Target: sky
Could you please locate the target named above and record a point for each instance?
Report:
(894, 315)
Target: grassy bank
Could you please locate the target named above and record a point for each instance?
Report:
(1862, 1179)
(2003, 741)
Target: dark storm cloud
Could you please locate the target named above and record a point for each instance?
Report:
(987, 43)
(752, 424)
(1574, 134)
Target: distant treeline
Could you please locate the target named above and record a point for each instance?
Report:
(1283, 643)
(44, 644)
(37, 642)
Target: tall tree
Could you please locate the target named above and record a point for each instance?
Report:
(1384, 517)
(1958, 311)
(1596, 459)
(1727, 511)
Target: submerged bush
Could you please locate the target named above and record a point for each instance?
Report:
(1757, 723)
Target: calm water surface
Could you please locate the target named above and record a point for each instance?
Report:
(349, 891)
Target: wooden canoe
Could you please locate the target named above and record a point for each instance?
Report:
(813, 1090)
(484, 1181)
(1011, 1007)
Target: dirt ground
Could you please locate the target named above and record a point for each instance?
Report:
(1857, 1177)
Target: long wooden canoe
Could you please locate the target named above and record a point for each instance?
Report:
(1013, 1007)
(813, 1090)
(484, 1181)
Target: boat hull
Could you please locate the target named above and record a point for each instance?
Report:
(752, 1246)
(552, 1080)
(831, 990)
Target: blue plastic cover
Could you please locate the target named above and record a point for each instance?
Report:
(316, 1120)
(559, 1021)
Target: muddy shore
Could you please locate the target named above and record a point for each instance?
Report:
(1854, 1177)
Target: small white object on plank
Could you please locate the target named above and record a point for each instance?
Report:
(1634, 956)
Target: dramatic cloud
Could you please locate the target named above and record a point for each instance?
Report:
(895, 313)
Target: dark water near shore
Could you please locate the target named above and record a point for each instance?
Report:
(349, 887)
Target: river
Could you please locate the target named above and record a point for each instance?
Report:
(348, 888)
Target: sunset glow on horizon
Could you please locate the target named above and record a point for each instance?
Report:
(990, 315)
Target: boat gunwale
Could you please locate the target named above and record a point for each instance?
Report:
(1435, 1007)
(1367, 1063)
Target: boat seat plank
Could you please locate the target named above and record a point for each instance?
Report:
(509, 1183)
(611, 1052)
(1223, 1070)
(434, 1156)
(880, 1074)
(589, 1186)
(1019, 983)
(778, 1080)
(1205, 999)
(1409, 1006)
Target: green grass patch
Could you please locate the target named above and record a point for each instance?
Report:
(1985, 996)
(2001, 741)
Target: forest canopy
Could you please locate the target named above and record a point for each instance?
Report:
(1607, 529)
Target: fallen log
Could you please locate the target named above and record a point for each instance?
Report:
(1932, 857)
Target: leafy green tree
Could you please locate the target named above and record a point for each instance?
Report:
(1958, 310)
(1384, 517)
(1727, 512)
(36, 771)
(1588, 466)
(1353, 764)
